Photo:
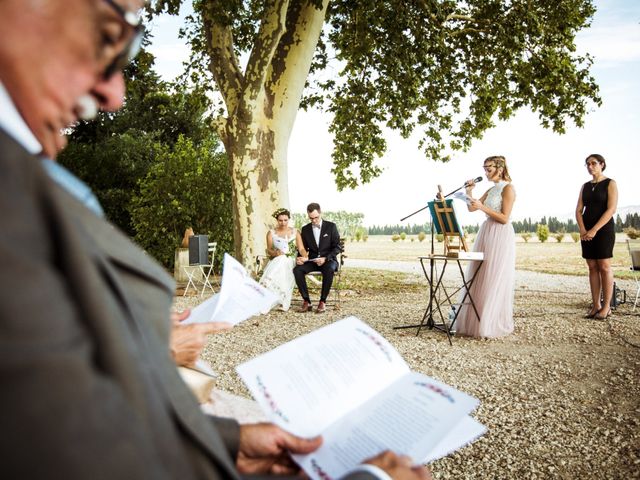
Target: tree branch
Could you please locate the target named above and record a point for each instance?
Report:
(223, 61)
(271, 30)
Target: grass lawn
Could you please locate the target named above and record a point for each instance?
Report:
(549, 257)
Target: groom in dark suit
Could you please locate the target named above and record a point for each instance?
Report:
(322, 244)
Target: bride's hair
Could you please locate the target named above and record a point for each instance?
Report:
(500, 162)
(281, 211)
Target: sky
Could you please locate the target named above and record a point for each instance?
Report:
(547, 169)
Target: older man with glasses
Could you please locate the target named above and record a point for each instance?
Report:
(89, 389)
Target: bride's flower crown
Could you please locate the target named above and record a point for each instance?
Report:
(281, 211)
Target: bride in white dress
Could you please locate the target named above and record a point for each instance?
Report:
(283, 243)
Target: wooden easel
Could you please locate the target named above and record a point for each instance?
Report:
(447, 225)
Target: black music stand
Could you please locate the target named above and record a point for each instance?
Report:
(446, 224)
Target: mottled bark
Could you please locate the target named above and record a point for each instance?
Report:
(262, 104)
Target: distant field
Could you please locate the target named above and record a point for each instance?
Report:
(548, 257)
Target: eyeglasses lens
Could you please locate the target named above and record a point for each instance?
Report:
(132, 48)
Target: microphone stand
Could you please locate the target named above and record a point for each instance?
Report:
(439, 196)
(430, 324)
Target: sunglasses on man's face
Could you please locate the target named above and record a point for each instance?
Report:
(132, 47)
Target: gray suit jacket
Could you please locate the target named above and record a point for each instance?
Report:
(88, 389)
(87, 386)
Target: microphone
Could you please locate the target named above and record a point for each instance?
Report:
(475, 180)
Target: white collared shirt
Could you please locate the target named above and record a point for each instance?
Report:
(316, 232)
(12, 122)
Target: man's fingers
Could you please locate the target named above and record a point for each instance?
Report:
(214, 327)
(301, 445)
(177, 317)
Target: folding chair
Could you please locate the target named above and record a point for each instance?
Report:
(201, 273)
(634, 252)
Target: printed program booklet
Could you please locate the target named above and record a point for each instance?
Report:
(348, 384)
(239, 298)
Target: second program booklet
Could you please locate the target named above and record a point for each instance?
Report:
(347, 383)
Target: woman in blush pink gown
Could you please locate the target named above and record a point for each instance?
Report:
(493, 287)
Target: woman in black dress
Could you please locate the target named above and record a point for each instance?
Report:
(596, 205)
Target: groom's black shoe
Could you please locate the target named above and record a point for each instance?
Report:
(306, 307)
(321, 307)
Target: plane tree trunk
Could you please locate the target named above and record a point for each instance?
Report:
(261, 105)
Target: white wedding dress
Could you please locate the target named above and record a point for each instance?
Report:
(278, 274)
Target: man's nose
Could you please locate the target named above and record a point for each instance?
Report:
(109, 93)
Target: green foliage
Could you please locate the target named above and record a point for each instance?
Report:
(125, 158)
(422, 236)
(558, 236)
(439, 237)
(575, 236)
(395, 237)
(348, 223)
(526, 236)
(187, 187)
(632, 233)
(112, 167)
(413, 229)
(542, 231)
(447, 69)
(403, 236)
(361, 234)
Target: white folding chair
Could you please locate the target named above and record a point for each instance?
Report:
(208, 269)
(634, 252)
(201, 273)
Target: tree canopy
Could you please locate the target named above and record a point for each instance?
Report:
(444, 68)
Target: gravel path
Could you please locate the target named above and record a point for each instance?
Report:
(560, 396)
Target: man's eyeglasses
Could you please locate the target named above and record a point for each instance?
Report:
(132, 47)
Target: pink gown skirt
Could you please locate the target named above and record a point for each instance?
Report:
(493, 288)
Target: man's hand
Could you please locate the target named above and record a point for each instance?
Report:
(187, 341)
(320, 260)
(264, 448)
(301, 260)
(399, 467)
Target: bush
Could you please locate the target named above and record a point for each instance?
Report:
(395, 237)
(542, 231)
(188, 187)
(632, 233)
(575, 236)
(403, 236)
(412, 239)
(526, 237)
(422, 236)
(439, 237)
(558, 236)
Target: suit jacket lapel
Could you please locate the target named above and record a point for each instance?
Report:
(311, 239)
(112, 250)
(108, 240)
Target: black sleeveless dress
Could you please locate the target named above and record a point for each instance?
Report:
(594, 198)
